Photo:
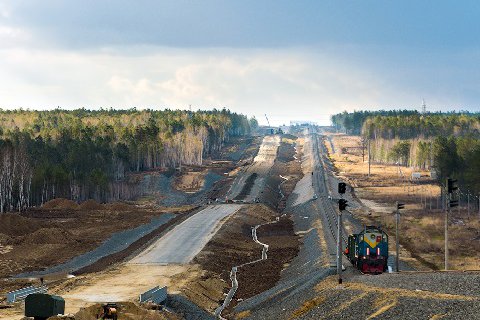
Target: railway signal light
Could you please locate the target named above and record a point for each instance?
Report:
(342, 204)
(400, 206)
(451, 185)
(342, 187)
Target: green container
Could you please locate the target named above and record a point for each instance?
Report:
(40, 305)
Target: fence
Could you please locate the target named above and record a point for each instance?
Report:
(156, 295)
(21, 294)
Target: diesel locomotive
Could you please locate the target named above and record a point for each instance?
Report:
(368, 250)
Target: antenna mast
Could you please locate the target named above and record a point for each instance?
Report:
(424, 107)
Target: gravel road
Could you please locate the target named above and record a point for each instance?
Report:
(185, 241)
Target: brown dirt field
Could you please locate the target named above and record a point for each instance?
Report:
(421, 228)
(40, 237)
(220, 255)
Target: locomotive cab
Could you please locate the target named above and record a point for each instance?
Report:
(368, 250)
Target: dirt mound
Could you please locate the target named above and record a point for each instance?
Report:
(190, 181)
(90, 205)
(16, 225)
(126, 311)
(49, 236)
(5, 239)
(119, 206)
(60, 203)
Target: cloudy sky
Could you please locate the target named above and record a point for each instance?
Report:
(293, 60)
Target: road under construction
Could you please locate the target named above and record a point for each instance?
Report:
(306, 286)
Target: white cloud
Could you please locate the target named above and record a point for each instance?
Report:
(286, 84)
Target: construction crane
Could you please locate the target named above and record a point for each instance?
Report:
(267, 119)
(271, 130)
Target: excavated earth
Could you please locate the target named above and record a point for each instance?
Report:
(233, 245)
(51, 235)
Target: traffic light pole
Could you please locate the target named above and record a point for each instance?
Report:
(450, 202)
(446, 235)
(398, 206)
(342, 203)
(397, 240)
(339, 247)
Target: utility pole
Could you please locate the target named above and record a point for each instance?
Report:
(450, 203)
(468, 204)
(369, 158)
(397, 240)
(342, 205)
(446, 238)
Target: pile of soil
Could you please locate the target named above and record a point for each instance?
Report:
(90, 205)
(119, 206)
(126, 311)
(60, 203)
(49, 236)
(15, 225)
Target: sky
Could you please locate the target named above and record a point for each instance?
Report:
(291, 60)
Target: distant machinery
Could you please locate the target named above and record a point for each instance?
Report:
(272, 130)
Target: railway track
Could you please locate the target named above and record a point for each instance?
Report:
(329, 214)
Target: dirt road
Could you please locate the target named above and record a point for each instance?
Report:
(181, 244)
(124, 283)
(261, 165)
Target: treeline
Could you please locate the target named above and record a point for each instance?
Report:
(407, 124)
(352, 122)
(449, 143)
(83, 154)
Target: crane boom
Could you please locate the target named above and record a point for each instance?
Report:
(267, 119)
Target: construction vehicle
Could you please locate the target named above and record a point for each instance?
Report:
(109, 311)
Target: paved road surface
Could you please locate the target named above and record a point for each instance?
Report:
(186, 240)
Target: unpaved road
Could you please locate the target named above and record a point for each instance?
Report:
(261, 165)
(124, 283)
(185, 241)
(164, 263)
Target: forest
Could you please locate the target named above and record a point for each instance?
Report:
(86, 154)
(448, 143)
